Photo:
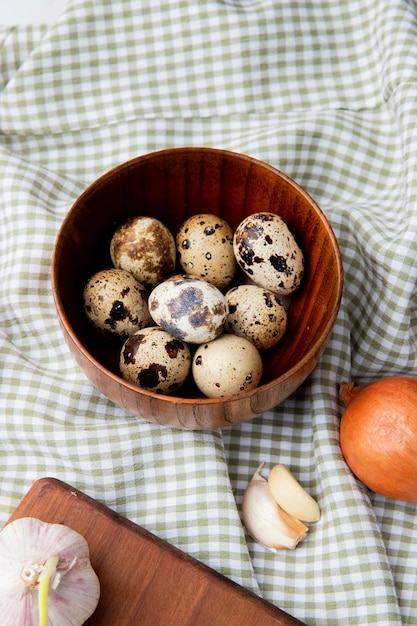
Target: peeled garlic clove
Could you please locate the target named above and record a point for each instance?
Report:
(291, 496)
(265, 520)
(26, 545)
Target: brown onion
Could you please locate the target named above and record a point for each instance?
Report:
(378, 435)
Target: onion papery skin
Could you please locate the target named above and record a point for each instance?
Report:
(378, 435)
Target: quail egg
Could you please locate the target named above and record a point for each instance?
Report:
(116, 303)
(145, 247)
(155, 360)
(268, 253)
(189, 308)
(226, 366)
(256, 314)
(205, 249)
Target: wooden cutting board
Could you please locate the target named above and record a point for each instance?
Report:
(144, 580)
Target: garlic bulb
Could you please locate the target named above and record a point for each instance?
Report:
(265, 520)
(46, 578)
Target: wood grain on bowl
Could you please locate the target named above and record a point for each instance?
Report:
(173, 185)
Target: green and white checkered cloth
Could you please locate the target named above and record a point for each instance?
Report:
(325, 90)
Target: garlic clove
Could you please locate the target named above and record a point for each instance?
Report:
(291, 496)
(265, 520)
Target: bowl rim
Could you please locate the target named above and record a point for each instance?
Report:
(312, 352)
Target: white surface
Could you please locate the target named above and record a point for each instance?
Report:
(15, 12)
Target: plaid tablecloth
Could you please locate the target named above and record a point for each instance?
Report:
(325, 90)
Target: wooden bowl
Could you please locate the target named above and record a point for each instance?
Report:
(172, 185)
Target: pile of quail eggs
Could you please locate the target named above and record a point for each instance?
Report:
(202, 322)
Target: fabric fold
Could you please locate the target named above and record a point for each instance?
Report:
(326, 92)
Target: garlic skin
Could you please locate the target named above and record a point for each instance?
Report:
(25, 546)
(265, 520)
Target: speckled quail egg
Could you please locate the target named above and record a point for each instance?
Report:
(268, 253)
(155, 360)
(256, 314)
(116, 303)
(145, 247)
(205, 249)
(226, 366)
(189, 308)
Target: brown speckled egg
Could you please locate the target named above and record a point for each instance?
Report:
(226, 366)
(189, 308)
(116, 303)
(205, 248)
(256, 314)
(145, 247)
(267, 252)
(153, 359)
